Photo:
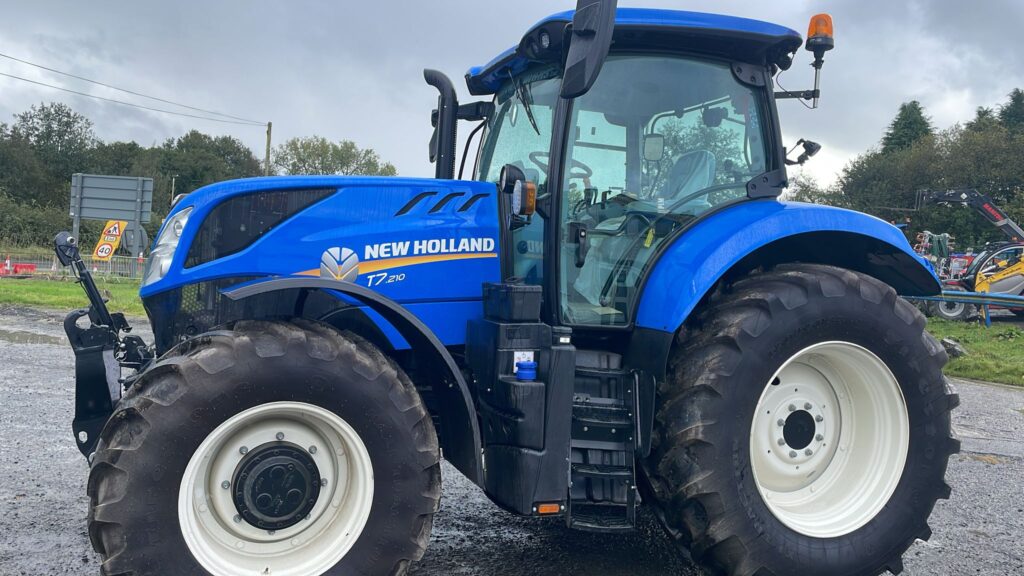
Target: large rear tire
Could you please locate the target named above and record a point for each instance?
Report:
(284, 448)
(804, 427)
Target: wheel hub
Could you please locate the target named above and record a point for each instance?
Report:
(798, 430)
(276, 486)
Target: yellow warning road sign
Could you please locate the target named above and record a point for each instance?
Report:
(109, 240)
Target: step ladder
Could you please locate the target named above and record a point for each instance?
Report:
(602, 489)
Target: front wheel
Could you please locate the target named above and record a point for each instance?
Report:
(804, 427)
(282, 448)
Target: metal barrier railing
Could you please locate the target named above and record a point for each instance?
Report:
(23, 265)
(980, 299)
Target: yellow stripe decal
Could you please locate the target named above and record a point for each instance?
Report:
(389, 263)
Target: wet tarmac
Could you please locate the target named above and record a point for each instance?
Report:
(43, 518)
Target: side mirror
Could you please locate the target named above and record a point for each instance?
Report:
(522, 192)
(810, 149)
(654, 147)
(592, 27)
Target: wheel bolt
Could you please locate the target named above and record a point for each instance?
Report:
(781, 422)
(818, 418)
(280, 435)
(819, 437)
(312, 449)
(792, 453)
(271, 532)
(323, 481)
(243, 450)
(808, 452)
(782, 441)
(792, 408)
(807, 405)
(225, 484)
(237, 518)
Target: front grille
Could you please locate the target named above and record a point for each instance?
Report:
(193, 309)
(237, 222)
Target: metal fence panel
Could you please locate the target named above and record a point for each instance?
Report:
(37, 265)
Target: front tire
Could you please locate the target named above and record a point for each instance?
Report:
(285, 448)
(842, 481)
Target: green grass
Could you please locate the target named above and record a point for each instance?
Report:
(994, 354)
(68, 295)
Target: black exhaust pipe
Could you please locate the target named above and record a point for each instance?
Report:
(445, 122)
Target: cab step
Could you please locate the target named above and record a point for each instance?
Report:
(603, 442)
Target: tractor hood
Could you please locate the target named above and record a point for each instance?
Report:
(405, 237)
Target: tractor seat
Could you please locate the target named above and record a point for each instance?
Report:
(691, 172)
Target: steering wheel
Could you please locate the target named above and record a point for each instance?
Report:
(541, 159)
(626, 258)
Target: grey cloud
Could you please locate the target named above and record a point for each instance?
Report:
(352, 70)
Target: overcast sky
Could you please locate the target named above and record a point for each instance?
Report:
(352, 70)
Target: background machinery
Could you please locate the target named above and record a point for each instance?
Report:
(998, 269)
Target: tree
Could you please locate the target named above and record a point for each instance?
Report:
(909, 126)
(60, 137)
(199, 159)
(1011, 114)
(984, 119)
(115, 159)
(317, 155)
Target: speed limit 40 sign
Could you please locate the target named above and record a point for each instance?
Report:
(110, 239)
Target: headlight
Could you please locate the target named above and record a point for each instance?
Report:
(163, 251)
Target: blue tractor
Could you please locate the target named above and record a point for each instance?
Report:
(612, 309)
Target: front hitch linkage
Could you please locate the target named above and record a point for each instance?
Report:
(100, 351)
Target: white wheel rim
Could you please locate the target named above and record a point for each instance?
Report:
(846, 473)
(951, 308)
(226, 545)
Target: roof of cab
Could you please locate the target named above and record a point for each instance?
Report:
(758, 36)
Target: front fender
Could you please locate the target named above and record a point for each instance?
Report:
(460, 432)
(766, 232)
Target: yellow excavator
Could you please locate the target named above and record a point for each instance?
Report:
(998, 269)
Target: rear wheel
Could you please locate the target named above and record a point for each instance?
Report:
(270, 448)
(804, 427)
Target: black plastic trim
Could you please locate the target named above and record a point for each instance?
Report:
(412, 203)
(472, 200)
(444, 201)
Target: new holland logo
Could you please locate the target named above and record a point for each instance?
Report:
(340, 264)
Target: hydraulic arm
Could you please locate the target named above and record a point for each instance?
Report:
(980, 202)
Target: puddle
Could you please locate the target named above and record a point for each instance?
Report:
(22, 337)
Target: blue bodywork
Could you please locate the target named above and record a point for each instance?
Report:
(488, 78)
(442, 287)
(694, 263)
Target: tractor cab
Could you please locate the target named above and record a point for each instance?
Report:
(680, 121)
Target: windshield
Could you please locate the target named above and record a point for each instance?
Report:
(657, 141)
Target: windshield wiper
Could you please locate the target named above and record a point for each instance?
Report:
(524, 99)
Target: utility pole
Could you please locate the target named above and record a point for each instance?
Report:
(173, 179)
(266, 171)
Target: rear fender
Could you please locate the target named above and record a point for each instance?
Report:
(766, 233)
(460, 432)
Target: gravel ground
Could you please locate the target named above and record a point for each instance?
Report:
(979, 531)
